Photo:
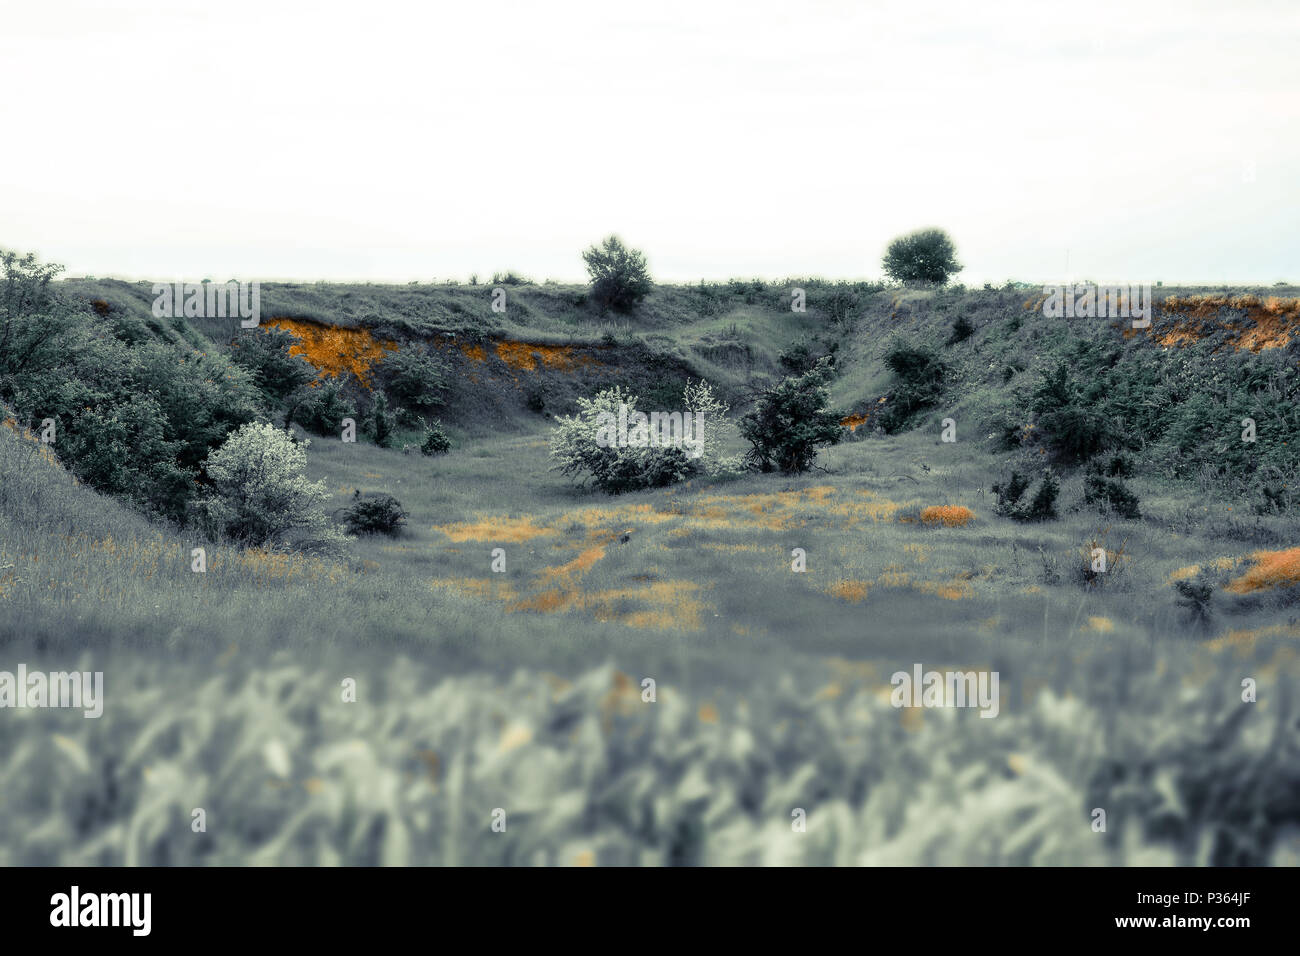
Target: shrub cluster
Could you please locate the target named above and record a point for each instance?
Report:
(382, 514)
(1041, 505)
(791, 421)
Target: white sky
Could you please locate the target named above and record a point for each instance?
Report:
(396, 141)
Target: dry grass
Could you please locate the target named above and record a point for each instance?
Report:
(1273, 569)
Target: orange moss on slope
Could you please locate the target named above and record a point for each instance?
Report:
(1273, 569)
(524, 355)
(336, 351)
(1267, 323)
(853, 421)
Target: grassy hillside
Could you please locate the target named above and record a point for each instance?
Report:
(520, 689)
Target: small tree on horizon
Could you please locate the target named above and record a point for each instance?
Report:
(619, 276)
(927, 255)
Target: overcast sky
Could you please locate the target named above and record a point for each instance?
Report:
(1125, 141)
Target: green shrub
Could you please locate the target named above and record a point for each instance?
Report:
(264, 351)
(323, 408)
(1074, 424)
(1111, 494)
(927, 255)
(509, 278)
(918, 384)
(802, 355)
(415, 378)
(381, 421)
(260, 494)
(584, 446)
(962, 329)
(382, 514)
(620, 278)
(791, 421)
(435, 440)
(1040, 507)
(1194, 596)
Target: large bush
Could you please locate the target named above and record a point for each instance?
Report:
(927, 255)
(918, 384)
(133, 420)
(260, 492)
(791, 421)
(584, 446)
(414, 378)
(619, 275)
(264, 351)
(382, 514)
(322, 408)
(32, 314)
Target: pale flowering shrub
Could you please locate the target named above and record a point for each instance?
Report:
(618, 447)
(261, 495)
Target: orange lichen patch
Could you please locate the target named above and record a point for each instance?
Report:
(780, 511)
(545, 603)
(1103, 625)
(579, 565)
(854, 591)
(951, 591)
(474, 352)
(665, 605)
(334, 350)
(853, 421)
(1273, 569)
(476, 587)
(603, 517)
(1192, 570)
(894, 579)
(514, 530)
(951, 516)
(708, 714)
(1245, 638)
(1267, 324)
(526, 355)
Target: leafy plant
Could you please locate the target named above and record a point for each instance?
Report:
(791, 421)
(382, 514)
(260, 493)
(1111, 494)
(927, 255)
(1040, 507)
(435, 440)
(620, 278)
(918, 384)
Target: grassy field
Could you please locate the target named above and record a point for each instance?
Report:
(521, 690)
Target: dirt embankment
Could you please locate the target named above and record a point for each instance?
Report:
(494, 379)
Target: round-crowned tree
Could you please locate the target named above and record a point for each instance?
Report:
(927, 255)
(619, 275)
(260, 492)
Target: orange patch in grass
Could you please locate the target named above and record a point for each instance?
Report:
(1273, 569)
(494, 529)
(855, 591)
(947, 515)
